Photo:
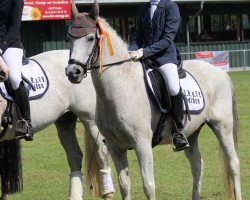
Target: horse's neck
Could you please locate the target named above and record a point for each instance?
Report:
(117, 81)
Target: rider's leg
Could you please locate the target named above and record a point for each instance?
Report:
(13, 58)
(171, 77)
(24, 127)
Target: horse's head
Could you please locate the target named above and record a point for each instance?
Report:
(83, 39)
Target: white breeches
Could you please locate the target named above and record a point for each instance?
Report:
(13, 58)
(170, 74)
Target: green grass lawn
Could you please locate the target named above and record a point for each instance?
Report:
(46, 173)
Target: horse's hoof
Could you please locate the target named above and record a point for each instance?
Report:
(4, 197)
(109, 196)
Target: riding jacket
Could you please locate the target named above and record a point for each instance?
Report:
(10, 22)
(156, 36)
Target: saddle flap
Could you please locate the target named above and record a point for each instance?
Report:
(156, 88)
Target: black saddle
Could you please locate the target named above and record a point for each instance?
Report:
(157, 89)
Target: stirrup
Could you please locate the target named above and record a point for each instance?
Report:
(180, 146)
(23, 130)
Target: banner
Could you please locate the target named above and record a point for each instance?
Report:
(46, 10)
(217, 58)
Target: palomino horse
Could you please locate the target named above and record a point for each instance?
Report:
(127, 118)
(63, 104)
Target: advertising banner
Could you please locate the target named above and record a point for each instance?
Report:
(217, 58)
(46, 10)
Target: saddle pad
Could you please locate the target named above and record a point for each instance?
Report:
(38, 82)
(190, 87)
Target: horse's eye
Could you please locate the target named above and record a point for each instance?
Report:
(91, 38)
(66, 38)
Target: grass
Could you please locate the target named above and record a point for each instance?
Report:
(46, 173)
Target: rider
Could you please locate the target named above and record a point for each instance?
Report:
(157, 24)
(11, 50)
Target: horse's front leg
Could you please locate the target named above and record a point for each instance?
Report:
(4, 196)
(98, 169)
(144, 155)
(120, 160)
(197, 164)
(66, 126)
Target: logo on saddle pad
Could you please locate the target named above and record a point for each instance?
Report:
(193, 94)
(35, 79)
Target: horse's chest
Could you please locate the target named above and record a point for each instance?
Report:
(114, 129)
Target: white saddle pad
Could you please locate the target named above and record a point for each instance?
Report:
(38, 81)
(193, 93)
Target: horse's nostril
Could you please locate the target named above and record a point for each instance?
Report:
(77, 71)
(70, 74)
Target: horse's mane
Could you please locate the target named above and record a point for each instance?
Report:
(119, 46)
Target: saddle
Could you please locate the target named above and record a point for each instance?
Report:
(193, 100)
(36, 83)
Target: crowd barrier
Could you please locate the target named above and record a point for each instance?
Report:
(238, 59)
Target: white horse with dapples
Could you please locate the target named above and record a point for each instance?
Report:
(62, 104)
(127, 118)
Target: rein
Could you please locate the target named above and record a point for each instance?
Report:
(112, 64)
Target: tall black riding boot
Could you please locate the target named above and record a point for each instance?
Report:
(180, 141)
(24, 128)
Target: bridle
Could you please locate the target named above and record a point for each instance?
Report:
(94, 55)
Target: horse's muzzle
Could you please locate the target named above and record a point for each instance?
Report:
(73, 74)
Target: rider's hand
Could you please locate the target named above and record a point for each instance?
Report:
(136, 55)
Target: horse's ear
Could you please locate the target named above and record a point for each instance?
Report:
(74, 8)
(94, 13)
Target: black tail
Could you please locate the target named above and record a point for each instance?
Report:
(10, 167)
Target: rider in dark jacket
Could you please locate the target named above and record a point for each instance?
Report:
(11, 50)
(157, 25)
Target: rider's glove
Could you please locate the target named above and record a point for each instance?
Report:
(136, 55)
